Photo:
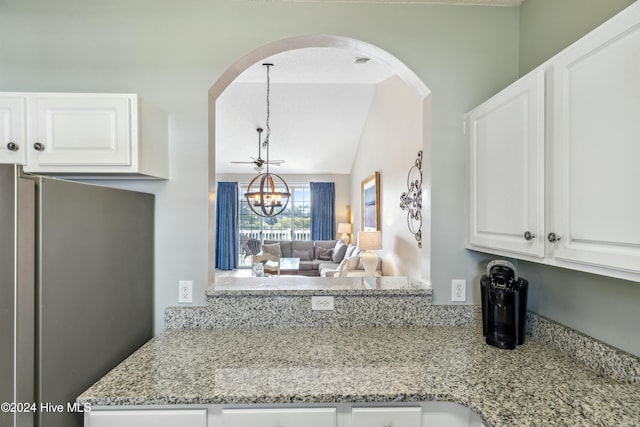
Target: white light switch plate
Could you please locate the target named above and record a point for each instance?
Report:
(322, 303)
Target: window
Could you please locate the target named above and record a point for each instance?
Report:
(294, 223)
(301, 215)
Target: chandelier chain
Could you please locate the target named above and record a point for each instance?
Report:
(265, 144)
(267, 194)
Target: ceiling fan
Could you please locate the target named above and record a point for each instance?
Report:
(259, 161)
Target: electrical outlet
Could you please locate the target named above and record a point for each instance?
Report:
(459, 290)
(322, 303)
(185, 291)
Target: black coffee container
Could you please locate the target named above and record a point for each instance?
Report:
(504, 305)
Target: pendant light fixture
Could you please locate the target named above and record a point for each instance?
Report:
(267, 194)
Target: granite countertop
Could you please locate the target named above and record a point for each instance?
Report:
(286, 301)
(311, 285)
(533, 385)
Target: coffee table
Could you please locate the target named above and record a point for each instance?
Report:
(289, 266)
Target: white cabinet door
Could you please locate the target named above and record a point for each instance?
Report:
(12, 130)
(386, 417)
(147, 418)
(81, 130)
(295, 417)
(596, 140)
(87, 135)
(506, 169)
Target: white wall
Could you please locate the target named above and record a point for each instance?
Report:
(390, 142)
(172, 52)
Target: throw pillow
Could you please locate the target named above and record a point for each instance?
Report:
(350, 250)
(352, 262)
(273, 249)
(338, 251)
(343, 268)
(303, 255)
(325, 254)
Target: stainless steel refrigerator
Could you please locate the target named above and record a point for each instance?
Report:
(76, 291)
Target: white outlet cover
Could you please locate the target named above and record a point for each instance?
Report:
(185, 291)
(458, 290)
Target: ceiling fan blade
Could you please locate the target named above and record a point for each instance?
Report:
(259, 161)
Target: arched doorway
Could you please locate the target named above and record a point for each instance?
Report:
(310, 41)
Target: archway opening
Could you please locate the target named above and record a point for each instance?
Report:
(419, 89)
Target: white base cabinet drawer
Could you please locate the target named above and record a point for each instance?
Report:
(148, 418)
(293, 417)
(414, 414)
(387, 417)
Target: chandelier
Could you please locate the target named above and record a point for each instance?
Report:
(267, 194)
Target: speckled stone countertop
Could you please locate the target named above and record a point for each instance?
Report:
(533, 385)
(259, 302)
(303, 285)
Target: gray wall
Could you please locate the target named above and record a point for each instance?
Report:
(599, 306)
(548, 26)
(171, 53)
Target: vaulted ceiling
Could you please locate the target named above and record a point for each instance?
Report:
(319, 102)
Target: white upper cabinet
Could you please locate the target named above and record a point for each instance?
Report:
(580, 198)
(506, 179)
(91, 135)
(12, 130)
(596, 146)
(90, 131)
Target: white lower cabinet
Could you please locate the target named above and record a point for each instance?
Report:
(386, 417)
(447, 414)
(289, 417)
(416, 414)
(147, 418)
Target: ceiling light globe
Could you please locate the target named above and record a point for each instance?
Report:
(268, 195)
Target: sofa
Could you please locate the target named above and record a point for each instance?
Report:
(319, 257)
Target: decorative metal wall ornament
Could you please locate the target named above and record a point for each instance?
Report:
(411, 200)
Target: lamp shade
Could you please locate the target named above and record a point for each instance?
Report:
(344, 227)
(369, 240)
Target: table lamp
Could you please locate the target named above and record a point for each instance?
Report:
(369, 241)
(344, 228)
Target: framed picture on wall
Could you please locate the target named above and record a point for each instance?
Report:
(370, 200)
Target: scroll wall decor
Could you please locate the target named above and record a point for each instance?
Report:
(411, 200)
